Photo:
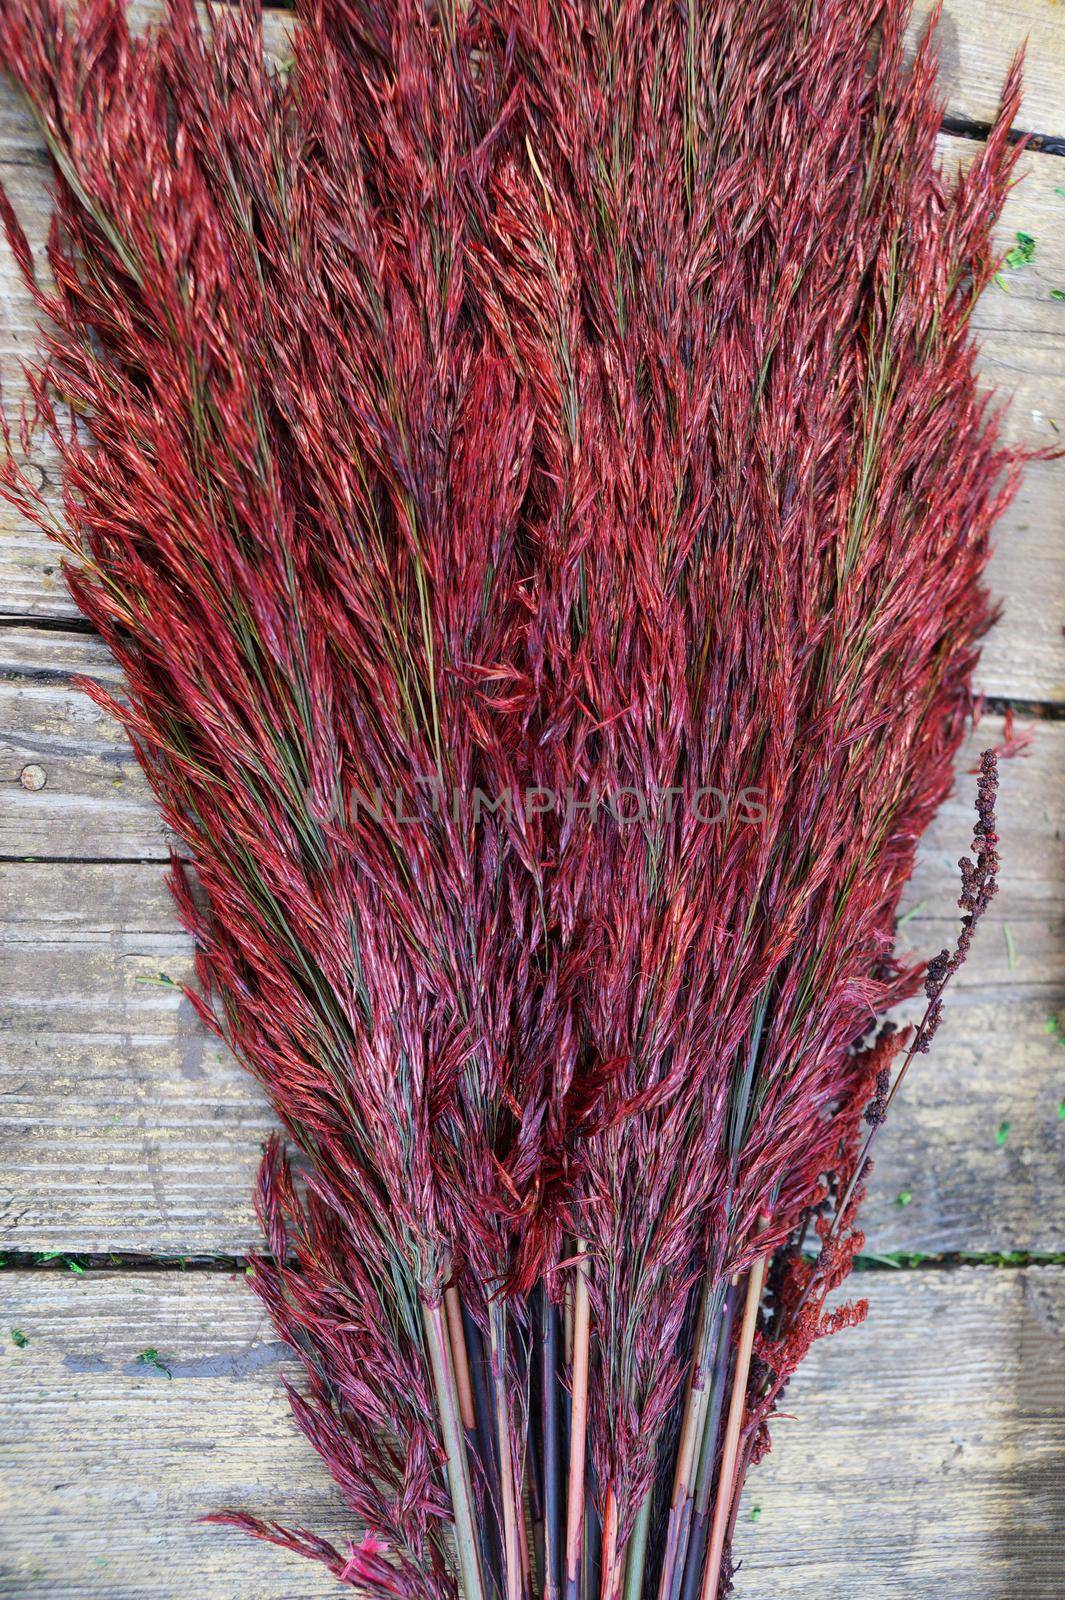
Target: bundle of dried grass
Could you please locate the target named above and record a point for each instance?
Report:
(528, 463)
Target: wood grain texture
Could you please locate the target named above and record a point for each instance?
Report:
(125, 1125)
(927, 1453)
(884, 1480)
(977, 41)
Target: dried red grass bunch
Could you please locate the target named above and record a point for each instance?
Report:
(528, 463)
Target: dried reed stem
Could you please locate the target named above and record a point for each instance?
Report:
(551, 1445)
(578, 1422)
(458, 1469)
(692, 1560)
(460, 1358)
(636, 1556)
(688, 1446)
(491, 1545)
(512, 1553)
(610, 1579)
(730, 1447)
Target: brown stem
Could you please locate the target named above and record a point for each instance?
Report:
(730, 1445)
(741, 1475)
(453, 1440)
(524, 1551)
(689, 1445)
(460, 1358)
(578, 1423)
(610, 1579)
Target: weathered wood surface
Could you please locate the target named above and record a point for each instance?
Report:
(885, 1480)
(126, 1125)
(1023, 335)
(977, 41)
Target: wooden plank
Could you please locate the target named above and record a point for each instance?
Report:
(107, 1463)
(977, 41)
(127, 1127)
(922, 1454)
(927, 1454)
(95, 801)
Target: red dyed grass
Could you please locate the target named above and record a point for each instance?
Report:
(570, 400)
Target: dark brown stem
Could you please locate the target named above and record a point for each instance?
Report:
(460, 1358)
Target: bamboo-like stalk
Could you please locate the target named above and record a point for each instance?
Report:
(578, 1423)
(512, 1554)
(460, 1358)
(491, 1547)
(730, 1446)
(692, 1560)
(458, 1469)
(685, 1448)
(591, 1544)
(610, 1580)
(525, 1554)
(552, 1448)
(741, 1475)
(689, 1445)
(636, 1555)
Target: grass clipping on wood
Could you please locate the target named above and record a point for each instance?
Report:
(527, 462)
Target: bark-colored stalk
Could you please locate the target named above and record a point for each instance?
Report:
(578, 1423)
(512, 1554)
(610, 1569)
(524, 1512)
(458, 1468)
(741, 1475)
(730, 1446)
(690, 1445)
(552, 1448)
(460, 1358)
